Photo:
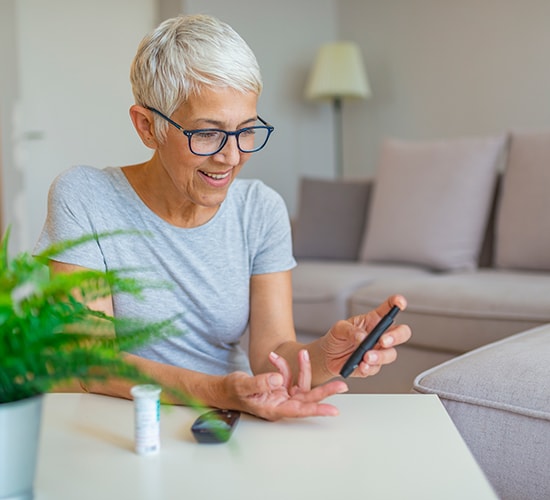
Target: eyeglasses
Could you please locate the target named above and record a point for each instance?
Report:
(209, 141)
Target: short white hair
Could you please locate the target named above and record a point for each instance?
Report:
(186, 54)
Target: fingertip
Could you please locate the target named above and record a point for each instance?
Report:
(336, 387)
(275, 380)
(400, 301)
(372, 357)
(327, 410)
(343, 388)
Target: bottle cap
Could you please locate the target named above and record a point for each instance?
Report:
(145, 391)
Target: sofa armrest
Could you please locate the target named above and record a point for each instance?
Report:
(499, 398)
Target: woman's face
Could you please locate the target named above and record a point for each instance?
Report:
(204, 180)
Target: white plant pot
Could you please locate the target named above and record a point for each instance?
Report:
(19, 436)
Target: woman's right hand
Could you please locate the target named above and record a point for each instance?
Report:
(272, 395)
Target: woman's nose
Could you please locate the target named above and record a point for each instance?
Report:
(230, 151)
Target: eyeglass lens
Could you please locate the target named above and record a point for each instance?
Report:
(249, 140)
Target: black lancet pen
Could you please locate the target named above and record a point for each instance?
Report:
(369, 342)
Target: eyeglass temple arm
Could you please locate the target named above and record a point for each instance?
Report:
(179, 127)
(169, 120)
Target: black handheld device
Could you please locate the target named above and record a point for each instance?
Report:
(369, 342)
(215, 426)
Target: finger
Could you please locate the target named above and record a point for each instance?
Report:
(392, 300)
(297, 409)
(293, 409)
(399, 301)
(284, 368)
(304, 376)
(372, 362)
(380, 357)
(366, 370)
(263, 384)
(369, 320)
(322, 392)
(396, 335)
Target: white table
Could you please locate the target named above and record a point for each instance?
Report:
(379, 447)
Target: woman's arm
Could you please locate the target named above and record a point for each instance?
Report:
(270, 395)
(202, 387)
(272, 329)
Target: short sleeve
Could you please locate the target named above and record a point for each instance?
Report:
(70, 200)
(271, 237)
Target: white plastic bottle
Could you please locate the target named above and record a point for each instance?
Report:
(146, 418)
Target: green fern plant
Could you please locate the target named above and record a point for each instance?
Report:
(48, 337)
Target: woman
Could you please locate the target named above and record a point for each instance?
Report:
(222, 243)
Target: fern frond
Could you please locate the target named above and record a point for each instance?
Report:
(49, 336)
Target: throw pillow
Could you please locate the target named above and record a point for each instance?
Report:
(431, 202)
(522, 239)
(331, 218)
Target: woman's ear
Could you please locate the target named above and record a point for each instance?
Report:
(143, 123)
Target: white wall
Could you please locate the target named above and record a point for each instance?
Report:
(442, 69)
(72, 98)
(11, 179)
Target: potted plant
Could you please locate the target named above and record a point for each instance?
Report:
(47, 337)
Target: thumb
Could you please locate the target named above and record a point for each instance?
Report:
(353, 334)
(275, 380)
(265, 382)
(359, 335)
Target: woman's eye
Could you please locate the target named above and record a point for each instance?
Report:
(207, 135)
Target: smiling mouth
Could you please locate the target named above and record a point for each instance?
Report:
(215, 176)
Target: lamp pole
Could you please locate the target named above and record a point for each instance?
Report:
(339, 163)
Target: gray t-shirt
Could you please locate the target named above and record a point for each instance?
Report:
(208, 267)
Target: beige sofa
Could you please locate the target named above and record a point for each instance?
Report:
(460, 227)
(498, 396)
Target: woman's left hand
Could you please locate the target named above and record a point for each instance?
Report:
(345, 336)
(289, 400)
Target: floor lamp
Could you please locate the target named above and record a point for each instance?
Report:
(338, 73)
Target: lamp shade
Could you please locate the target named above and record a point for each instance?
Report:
(338, 72)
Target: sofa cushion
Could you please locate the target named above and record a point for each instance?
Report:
(499, 398)
(431, 202)
(457, 312)
(321, 290)
(331, 218)
(523, 222)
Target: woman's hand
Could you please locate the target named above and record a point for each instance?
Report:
(345, 336)
(272, 396)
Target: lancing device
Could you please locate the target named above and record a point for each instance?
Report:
(369, 342)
